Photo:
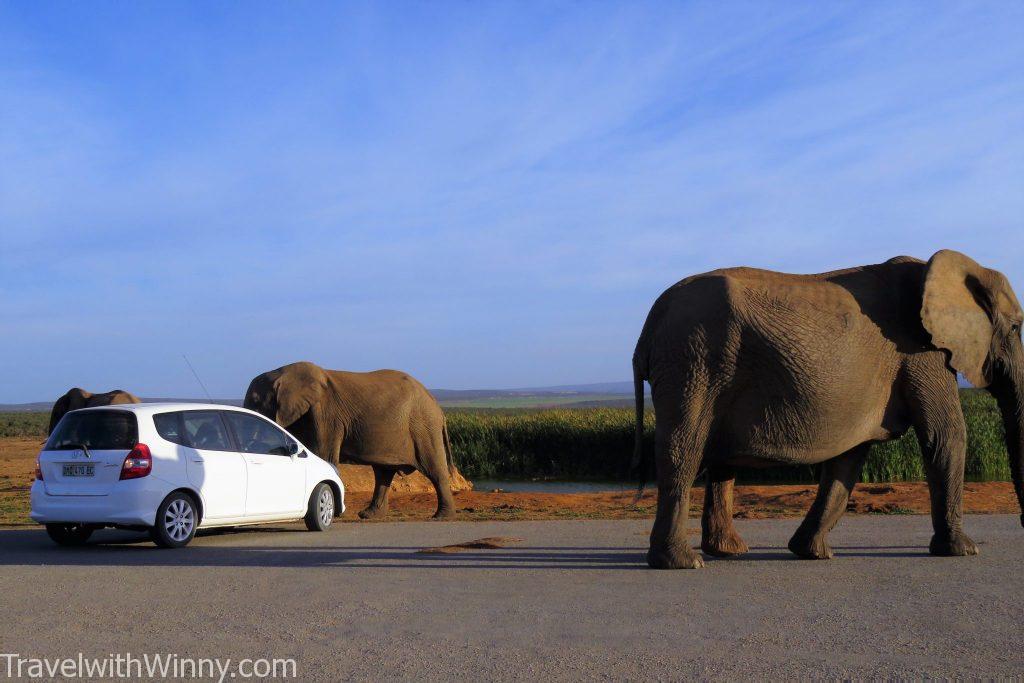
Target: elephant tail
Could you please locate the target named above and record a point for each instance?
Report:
(448, 448)
(639, 463)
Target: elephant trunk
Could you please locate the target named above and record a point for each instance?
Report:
(1009, 394)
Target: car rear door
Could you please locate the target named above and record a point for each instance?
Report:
(276, 479)
(84, 454)
(214, 467)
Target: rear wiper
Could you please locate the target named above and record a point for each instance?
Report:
(82, 446)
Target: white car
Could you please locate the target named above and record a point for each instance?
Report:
(173, 468)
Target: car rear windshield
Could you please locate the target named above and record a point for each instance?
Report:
(100, 430)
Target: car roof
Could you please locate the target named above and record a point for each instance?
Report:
(150, 408)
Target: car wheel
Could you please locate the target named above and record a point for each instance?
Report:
(320, 513)
(176, 521)
(69, 534)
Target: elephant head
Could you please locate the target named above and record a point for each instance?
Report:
(972, 313)
(74, 399)
(286, 394)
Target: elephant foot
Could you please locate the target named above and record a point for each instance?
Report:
(810, 548)
(723, 545)
(373, 513)
(445, 513)
(674, 557)
(955, 545)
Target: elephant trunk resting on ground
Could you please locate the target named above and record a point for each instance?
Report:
(385, 419)
(80, 398)
(753, 368)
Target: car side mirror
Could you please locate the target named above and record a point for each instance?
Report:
(293, 449)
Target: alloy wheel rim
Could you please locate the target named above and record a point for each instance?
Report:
(326, 506)
(179, 520)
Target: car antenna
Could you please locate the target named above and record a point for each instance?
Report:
(196, 375)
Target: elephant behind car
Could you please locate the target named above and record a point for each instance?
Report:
(385, 419)
(80, 398)
(750, 367)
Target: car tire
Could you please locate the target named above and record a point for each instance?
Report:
(320, 512)
(69, 534)
(176, 521)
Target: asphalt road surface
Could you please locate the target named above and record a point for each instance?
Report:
(572, 600)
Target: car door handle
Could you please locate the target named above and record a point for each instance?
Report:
(198, 461)
(255, 462)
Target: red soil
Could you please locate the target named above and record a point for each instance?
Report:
(17, 460)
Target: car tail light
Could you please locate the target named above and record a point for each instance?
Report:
(138, 463)
(39, 471)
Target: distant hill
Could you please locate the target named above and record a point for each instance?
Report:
(597, 395)
(26, 407)
(47, 406)
(603, 394)
(598, 388)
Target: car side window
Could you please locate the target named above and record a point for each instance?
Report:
(258, 436)
(168, 426)
(204, 429)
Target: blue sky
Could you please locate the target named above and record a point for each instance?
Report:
(482, 194)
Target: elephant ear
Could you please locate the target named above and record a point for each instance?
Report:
(955, 309)
(296, 393)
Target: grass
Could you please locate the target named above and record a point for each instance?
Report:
(597, 443)
(24, 424)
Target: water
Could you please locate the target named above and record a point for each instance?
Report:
(547, 486)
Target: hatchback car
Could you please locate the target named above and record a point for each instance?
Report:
(173, 468)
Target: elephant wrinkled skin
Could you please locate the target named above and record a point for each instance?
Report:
(384, 418)
(80, 398)
(753, 368)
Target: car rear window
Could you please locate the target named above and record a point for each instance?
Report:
(168, 426)
(202, 429)
(100, 430)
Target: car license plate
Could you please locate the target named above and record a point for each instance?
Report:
(79, 470)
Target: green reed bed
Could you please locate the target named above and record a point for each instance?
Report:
(596, 443)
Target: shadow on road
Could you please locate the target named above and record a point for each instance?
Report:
(34, 548)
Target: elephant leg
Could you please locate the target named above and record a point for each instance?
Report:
(378, 506)
(942, 435)
(718, 535)
(678, 462)
(944, 470)
(434, 465)
(838, 477)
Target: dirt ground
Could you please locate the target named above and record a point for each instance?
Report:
(17, 460)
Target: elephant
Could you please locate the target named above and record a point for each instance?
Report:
(385, 419)
(80, 398)
(757, 368)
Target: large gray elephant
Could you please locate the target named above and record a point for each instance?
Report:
(80, 398)
(385, 419)
(754, 368)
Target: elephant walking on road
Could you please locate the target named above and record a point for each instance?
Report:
(80, 398)
(385, 419)
(753, 368)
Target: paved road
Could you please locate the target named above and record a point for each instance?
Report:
(573, 600)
